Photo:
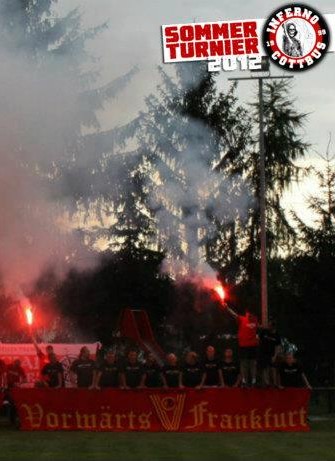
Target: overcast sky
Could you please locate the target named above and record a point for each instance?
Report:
(134, 37)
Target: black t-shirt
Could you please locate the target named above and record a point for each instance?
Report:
(171, 374)
(109, 374)
(230, 372)
(133, 374)
(211, 368)
(50, 371)
(192, 375)
(15, 373)
(291, 375)
(153, 378)
(84, 370)
(268, 342)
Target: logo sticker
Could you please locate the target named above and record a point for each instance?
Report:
(296, 37)
(169, 410)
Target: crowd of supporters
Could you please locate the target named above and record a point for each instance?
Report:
(129, 373)
(192, 372)
(259, 362)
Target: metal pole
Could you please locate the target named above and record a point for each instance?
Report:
(262, 192)
(262, 205)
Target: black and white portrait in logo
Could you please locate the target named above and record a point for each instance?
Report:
(296, 38)
(291, 44)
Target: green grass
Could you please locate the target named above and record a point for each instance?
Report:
(317, 445)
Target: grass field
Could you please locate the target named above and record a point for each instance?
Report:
(317, 445)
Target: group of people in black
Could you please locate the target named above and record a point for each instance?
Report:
(131, 373)
(211, 370)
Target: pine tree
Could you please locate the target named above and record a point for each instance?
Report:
(184, 131)
(308, 276)
(283, 146)
(318, 241)
(133, 227)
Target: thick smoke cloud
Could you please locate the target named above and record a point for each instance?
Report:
(41, 113)
(188, 199)
(38, 117)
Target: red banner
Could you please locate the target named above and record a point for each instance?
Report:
(207, 410)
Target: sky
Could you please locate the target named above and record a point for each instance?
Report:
(134, 38)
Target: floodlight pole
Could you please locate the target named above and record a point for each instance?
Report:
(262, 190)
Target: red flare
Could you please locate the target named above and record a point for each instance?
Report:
(219, 290)
(29, 315)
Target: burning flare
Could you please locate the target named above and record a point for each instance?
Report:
(219, 290)
(29, 315)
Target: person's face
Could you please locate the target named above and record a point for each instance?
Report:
(172, 360)
(132, 357)
(291, 30)
(110, 357)
(210, 352)
(289, 359)
(228, 355)
(151, 359)
(85, 354)
(191, 358)
(250, 317)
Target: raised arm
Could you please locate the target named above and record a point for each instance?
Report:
(306, 382)
(37, 348)
(231, 311)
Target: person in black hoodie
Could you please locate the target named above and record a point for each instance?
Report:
(212, 370)
(108, 372)
(291, 373)
(170, 373)
(192, 372)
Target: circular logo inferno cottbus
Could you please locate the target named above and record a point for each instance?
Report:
(296, 37)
